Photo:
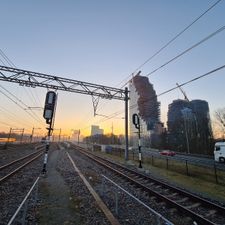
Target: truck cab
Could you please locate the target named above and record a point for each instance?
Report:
(219, 152)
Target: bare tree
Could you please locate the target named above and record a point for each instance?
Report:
(219, 115)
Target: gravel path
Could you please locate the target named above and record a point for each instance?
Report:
(129, 211)
(64, 199)
(56, 202)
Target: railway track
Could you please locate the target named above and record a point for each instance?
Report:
(16, 177)
(200, 210)
(9, 169)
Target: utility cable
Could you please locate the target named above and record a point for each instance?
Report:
(7, 59)
(192, 80)
(13, 65)
(163, 93)
(185, 83)
(39, 121)
(12, 116)
(170, 41)
(187, 50)
(6, 124)
(12, 125)
(2, 62)
(19, 100)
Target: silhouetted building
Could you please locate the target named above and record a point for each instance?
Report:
(189, 126)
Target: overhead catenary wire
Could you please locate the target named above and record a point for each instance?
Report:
(113, 115)
(158, 95)
(171, 41)
(6, 124)
(39, 121)
(188, 49)
(19, 100)
(11, 125)
(2, 62)
(31, 113)
(11, 64)
(217, 1)
(187, 82)
(168, 43)
(192, 80)
(38, 99)
(7, 59)
(12, 117)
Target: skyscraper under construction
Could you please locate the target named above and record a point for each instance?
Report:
(143, 101)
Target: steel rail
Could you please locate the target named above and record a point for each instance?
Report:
(17, 160)
(22, 203)
(180, 191)
(19, 168)
(198, 218)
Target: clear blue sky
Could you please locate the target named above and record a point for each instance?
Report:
(103, 42)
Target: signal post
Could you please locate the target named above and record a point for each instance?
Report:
(136, 122)
(49, 111)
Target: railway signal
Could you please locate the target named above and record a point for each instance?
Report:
(49, 112)
(136, 122)
(49, 106)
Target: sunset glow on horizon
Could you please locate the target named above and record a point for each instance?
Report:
(106, 43)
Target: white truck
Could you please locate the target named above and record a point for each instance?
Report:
(219, 152)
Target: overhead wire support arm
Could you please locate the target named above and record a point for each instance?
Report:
(95, 101)
(34, 79)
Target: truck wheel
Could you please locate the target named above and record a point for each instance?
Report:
(222, 160)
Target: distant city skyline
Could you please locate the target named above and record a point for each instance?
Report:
(104, 42)
(96, 130)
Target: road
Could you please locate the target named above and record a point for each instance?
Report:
(206, 161)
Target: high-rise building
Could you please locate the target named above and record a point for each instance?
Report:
(189, 126)
(96, 130)
(143, 101)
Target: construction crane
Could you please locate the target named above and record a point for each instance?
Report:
(185, 96)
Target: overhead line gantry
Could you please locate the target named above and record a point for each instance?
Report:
(35, 79)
